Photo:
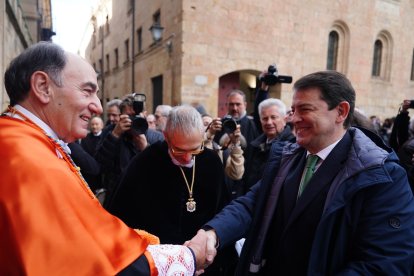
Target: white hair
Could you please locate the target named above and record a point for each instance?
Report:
(273, 102)
(184, 119)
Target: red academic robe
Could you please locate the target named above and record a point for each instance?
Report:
(50, 223)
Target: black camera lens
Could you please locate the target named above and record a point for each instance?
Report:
(229, 124)
(139, 125)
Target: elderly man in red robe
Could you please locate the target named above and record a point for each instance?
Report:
(52, 224)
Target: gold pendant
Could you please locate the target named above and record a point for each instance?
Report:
(191, 205)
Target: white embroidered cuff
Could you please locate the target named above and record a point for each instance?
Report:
(172, 259)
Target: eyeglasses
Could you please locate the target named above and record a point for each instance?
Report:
(184, 152)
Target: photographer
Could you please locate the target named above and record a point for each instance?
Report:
(231, 153)
(401, 140)
(120, 143)
(399, 133)
(236, 111)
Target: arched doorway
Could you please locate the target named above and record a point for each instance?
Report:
(244, 80)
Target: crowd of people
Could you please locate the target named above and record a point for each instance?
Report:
(315, 189)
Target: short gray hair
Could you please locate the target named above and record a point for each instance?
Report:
(236, 92)
(164, 109)
(184, 119)
(273, 102)
(114, 102)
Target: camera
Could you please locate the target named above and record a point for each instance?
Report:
(411, 104)
(272, 77)
(139, 124)
(229, 124)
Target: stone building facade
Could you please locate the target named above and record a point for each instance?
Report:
(210, 47)
(23, 23)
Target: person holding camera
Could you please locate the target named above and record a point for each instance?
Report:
(231, 153)
(120, 142)
(401, 139)
(236, 114)
(178, 182)
(400, 130)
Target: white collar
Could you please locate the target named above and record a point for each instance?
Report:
(40, 124)
(189, 165)
(326, 151)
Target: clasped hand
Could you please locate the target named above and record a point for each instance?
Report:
(203, 245)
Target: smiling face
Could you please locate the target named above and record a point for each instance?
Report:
(316, 126)
(73, 104)
(272, 122)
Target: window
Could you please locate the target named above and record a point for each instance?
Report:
(100, 66)
(332, 50)
(157, 91)
(107, 25)
(338, 47)
(116, 58)
(95, 28)
(94, 40)
(412, 68)
(139, 40)
(376, 64)
(382, 56)
(130, 5)
(100, 33)
(126, 50)
(107, 63)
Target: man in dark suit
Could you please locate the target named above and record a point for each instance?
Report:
(355, 215)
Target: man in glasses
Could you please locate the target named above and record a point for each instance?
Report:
(175, 186)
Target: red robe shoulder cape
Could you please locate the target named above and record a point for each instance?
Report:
(49, 222)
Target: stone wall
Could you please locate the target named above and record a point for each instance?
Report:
(215, 38)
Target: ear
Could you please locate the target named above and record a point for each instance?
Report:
(343, 111)
(40, 85)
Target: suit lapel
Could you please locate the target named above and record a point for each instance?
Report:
(322, 178)
(291, 186)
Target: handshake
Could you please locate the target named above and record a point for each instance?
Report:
(204, 247)
(201, 249)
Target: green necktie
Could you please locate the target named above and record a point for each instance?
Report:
(308, 172)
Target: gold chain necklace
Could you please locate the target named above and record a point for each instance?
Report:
(191, 204)
(63, 153)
